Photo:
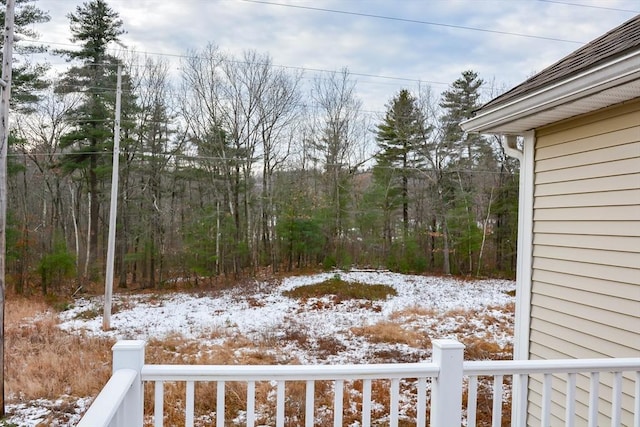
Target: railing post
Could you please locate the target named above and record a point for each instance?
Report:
(446, 391)
(129, 354)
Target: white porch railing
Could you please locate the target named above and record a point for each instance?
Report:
(120, 403)
(447, 377)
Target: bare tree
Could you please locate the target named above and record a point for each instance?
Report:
(38, 136)
(279, 110)
(247, 87)
(201, 105)
(339, 143)
(149, 151)
(436, 155)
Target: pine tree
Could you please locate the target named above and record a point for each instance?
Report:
(464, 154)
(459, 103)
(95, 25)
(400, 136)
(27, 78)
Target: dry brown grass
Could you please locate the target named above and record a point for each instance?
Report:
(391, 333)
(480, 349)
(412, 313)
(45, 362)
(18, 309)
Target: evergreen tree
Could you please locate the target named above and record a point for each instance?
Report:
(464, 154)
(459, 103)
(27, 78)
(385, 196)
(400, 136)
(95, 26)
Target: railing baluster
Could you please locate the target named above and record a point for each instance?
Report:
(519, 393)
(545, 416)
(636, 412)
(158, 406)
(220, 404)
(366, 403)
(251, 403)
(472, 401)
(394, 398)
(309, 403)
(570, 402)
(280, 404)
(189, 402)
(594, 396)
(337, 403)
(421, 420)
(497, 401)
(116, 403)
(616, 400)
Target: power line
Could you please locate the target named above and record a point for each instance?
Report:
(290, 67)
(356, 74)
(415, 21)
(198, 157)
(615, 9)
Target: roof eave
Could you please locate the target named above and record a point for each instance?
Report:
(502, 118)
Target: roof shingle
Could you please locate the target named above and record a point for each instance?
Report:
(615, 43)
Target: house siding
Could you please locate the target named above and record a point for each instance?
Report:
(585, 292)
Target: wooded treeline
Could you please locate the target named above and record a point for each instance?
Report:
(239, 164)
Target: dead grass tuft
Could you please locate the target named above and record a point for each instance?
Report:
(44, 362)
(296, 333)
(390, 333)
(18, 308)
(480, 349)
(457, 313)
(413, 313)
(328, 346)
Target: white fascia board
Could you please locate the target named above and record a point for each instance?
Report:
(594, 80)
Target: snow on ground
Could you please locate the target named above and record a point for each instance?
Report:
(267, 313)
(194, 316)
(44, 412)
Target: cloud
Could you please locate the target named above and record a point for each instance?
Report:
(316, 39)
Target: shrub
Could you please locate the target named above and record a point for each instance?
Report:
(55, 267)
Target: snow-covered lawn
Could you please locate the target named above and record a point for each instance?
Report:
(298, 330)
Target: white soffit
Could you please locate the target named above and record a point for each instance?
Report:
(600, 87)
(594, 102)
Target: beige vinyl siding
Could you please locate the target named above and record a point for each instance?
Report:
(587, 227)
(586, 247)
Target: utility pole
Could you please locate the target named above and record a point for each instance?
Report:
(7, 59)
(113, 210)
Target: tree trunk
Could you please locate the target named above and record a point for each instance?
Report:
(94, 213)
(446, 265)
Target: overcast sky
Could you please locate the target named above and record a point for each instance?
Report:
(387, 45)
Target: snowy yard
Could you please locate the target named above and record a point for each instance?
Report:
(310, 330)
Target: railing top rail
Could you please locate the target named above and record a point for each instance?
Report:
(379, 371)
(511, 367)
(104, 408)
(287, 372)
